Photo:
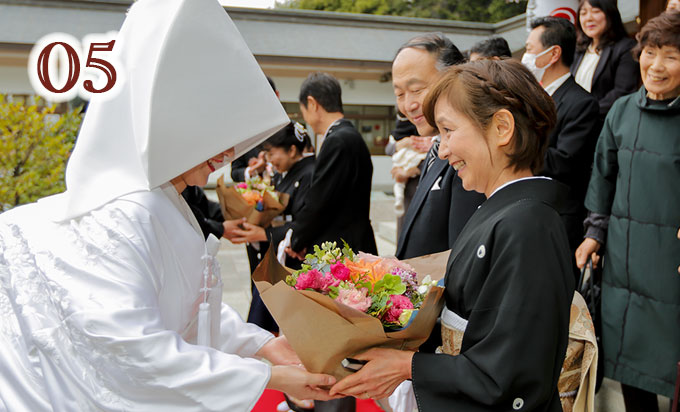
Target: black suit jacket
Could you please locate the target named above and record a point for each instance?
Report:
(616, 74)
(338, 202)
(571, 147)
(438, 212)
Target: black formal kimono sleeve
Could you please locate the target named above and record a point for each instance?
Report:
(517, 329)
(333, 169)
(575, 142)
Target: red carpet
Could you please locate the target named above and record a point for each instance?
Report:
(270, 399)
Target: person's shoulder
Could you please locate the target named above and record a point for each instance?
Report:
(577, 97)
(624, 44)
(527, 218)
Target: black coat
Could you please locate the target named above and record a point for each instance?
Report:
(571, 147)
(509, 274)
(207, 213)
(616, 74)
(339, 199)
(439, 210)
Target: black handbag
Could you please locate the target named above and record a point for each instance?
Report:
(591, 290)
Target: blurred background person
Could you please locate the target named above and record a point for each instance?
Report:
(441, 206)
(285, 151)
(673, 5)
(492, 48)
(603, 64)
(571, 143)
(633, 197)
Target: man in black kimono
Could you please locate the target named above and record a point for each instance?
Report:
(440, 207)
(572, 142)
(338, 201)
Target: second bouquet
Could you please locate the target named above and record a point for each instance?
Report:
(341, 303)
(254, 199)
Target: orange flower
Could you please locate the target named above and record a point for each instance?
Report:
(371, 272)
(252, 197)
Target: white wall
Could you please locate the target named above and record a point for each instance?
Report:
(14, 80)
(364, 92)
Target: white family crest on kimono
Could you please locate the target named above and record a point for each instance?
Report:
(101, 286)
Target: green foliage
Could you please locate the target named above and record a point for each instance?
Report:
(490, 11)
(35, 144)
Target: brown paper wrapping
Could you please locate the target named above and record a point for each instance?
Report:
(323, 332)
(234, 206)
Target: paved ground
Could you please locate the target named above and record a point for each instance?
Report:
(236, 276)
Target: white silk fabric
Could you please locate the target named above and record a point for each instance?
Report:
(190, 89)
(98, 314)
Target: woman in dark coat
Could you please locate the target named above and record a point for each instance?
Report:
(603, 63)
(284, 150)
(633, 198)
(509, 282)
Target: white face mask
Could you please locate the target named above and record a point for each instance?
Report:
(529, 61)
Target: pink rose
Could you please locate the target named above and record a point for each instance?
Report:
(355, 298)
(327, 281)
(401, 302)
(309, 280)
(397, 305)
(242, 185)
(340, 271)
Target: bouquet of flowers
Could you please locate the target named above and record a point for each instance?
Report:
(341, 303)
(254, 199)
(384, 288)
(253, 191)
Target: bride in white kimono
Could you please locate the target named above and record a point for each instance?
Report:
(100, 287)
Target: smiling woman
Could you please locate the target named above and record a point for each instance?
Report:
(509, 282)
(635, 184)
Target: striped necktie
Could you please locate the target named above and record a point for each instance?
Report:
(432, 154)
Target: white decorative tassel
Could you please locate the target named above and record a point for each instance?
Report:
(203, 338)
(212, 245)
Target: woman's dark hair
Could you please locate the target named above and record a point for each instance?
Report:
(613, 32)
(662, 30)
(479, 89)
(293, 134)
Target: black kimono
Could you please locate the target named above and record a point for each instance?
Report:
(296, 184)
(339, 199)
(509, 275)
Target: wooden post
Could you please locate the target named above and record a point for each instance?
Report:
(650, 9)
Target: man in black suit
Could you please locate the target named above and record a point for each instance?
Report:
(339, 198)
(440, 208)
(338, 201)
(572, 143)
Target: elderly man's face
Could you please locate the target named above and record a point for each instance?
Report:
(413, 72)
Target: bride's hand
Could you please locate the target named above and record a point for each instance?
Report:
(279, 352)
(385, 370)
(299, 383)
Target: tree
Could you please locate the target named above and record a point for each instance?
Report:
(35, 144)
(490, 11)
